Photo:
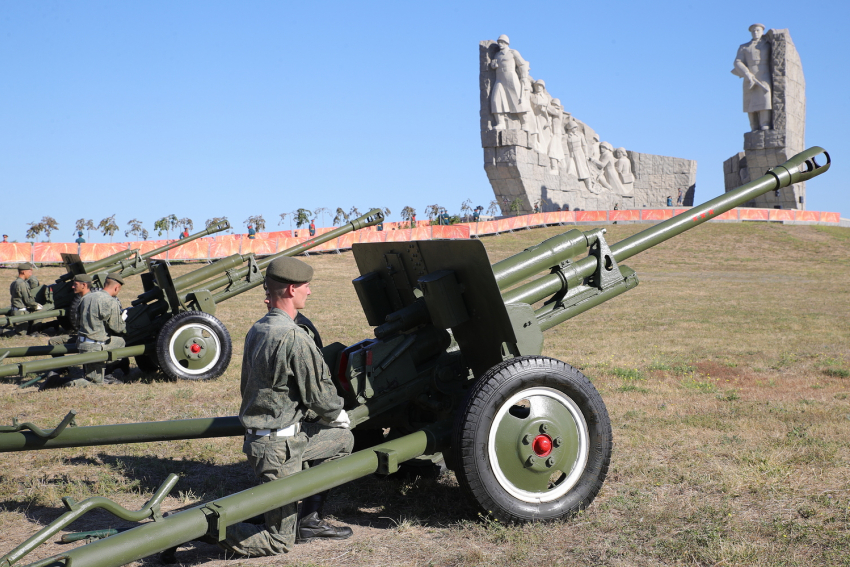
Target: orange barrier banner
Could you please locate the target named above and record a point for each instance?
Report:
(753, 214)
(148, 245)
(375, 236)
(259, 247)
(781, 215)
(591, 216)
(728, 215)
(195, 250)
(451, 231)
(401, 235)
(535, 219)
(346, 240)
(656, 214)
(552, 218)
(680, 211)
(224, 248)
(568, 216)
(488, 227)
(830, 217)
(809, 216)
(15, 252)
(94, 252)
(630, 215)
(421, 233)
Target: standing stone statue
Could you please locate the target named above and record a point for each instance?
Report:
(578, 156)
(624, 168)
(540, 100)
(508, 95)
(556, 145)
(753, 65)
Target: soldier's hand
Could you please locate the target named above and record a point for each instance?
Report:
(342, 421)
(39, 307)
(124, 315)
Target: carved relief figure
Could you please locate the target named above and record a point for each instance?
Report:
(609, 177)
(752, 63)
(540, 100)
(556, 146)
(594, 147)
(508, 95)
(624, 168)
(577, 164)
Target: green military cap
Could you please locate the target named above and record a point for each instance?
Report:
(290, 270)
(24, 266)
(115, 276)
(83, 278)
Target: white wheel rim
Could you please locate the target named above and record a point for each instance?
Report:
(204, 329)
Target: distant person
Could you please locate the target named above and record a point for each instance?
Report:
(681, 197)
(669, 201)
(413, 221)
(5, 239)
(313, 227)
(476, 213)
(185, 233)
(252, 234)
(80, 239)
(380, 226)
(23, 299)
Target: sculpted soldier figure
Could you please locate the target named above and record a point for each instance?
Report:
(577, 147)
(508, 95)
(99, 315)
(283, 376)
(540, 100)
(752, 63)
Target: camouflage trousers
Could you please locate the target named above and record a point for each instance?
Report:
(94, 372)
(62, 340)
(273, 458)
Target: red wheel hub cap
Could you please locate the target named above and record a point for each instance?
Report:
(542, 445)
(195, 348)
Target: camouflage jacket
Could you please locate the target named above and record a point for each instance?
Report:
(98, 316)
(284, 375)
(21, 293)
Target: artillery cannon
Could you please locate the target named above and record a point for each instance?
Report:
(59, 298)
(172, 325)
(455, 366)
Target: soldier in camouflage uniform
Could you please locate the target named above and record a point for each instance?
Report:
(82, 287)
(284, 376)
(99, 315)
(23, 297)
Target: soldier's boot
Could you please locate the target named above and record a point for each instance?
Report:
(311, 525)
(94, 372)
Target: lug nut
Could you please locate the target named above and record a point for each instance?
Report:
(531, 460)
(544, 428)
(557, 441)
(550, 461)
(526, 439)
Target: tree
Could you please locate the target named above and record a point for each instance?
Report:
(85, 224)
(493, 208)
(302, 217)
(282, 218)
(108, 227)
(432, 211)
(166, 225)
(45, 225)
(408, 214)
(136, 229)
(466, 209)
(516, 206)
(214, 220)
(321, 211)
(258, 221)
(187, 223)
(341, 216)
(354, 212)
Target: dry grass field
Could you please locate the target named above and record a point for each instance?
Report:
(726, 373)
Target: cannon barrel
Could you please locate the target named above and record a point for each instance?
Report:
(100, 265)
(15, 352)
(799, 168)
(23, 368)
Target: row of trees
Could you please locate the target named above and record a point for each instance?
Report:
(300, 217)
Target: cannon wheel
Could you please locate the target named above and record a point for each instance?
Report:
(193, 346)
(533, 441)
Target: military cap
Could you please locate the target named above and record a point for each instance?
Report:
(83, 278)
(754, 26)
(115, 276)
(504, 38)
(290, 270)
(24, 266)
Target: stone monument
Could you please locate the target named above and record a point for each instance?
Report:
(775, 102)
(535, 152)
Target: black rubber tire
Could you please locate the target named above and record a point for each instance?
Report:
(471, 453)
(213, 331)
(147, 364)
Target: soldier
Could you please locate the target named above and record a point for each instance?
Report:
(252, 234)
(82, 287)
(99, 315)
(283, 377)
(23, 299)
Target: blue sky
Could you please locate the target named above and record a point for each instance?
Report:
(203, 109)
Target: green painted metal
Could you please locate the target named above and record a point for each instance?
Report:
(171, 531)
(24, 368)
(799, 168)
(542, 256)
(35, 316)
(109, 261)
(79, 509)
(16, 352)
